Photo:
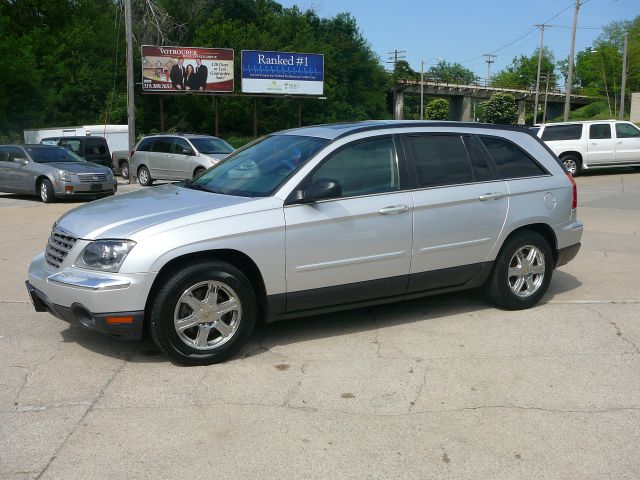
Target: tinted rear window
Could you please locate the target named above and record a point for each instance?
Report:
(512, 162)
(600, 131)
(95, 146)
(440, 160)
(163, 145)
(562, 132)
(145, 145)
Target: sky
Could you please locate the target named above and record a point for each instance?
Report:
(463, 30)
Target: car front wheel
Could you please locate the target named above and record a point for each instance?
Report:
(203, 313)
(144, 177)
(522, 272)
(45, 190)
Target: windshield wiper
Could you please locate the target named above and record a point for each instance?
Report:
(200, 188)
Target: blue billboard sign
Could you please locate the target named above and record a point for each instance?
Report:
(282, 73)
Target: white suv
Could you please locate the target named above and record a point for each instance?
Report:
(596, 143)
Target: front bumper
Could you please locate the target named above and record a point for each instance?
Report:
(92, 299)
(78, 189)
(126, 325)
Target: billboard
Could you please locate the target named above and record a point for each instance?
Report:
(282, 73)
(186, 69)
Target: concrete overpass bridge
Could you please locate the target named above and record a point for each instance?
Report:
(461, 97)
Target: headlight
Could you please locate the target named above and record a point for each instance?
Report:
(64, 176)
(105, 255)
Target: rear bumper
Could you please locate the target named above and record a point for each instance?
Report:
(565, 255)
(126, 325)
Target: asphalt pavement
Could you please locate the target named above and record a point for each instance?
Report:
(438, 388)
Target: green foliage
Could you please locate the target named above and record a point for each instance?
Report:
(523, 71)
(447, 72)
(594, 111)
(501, 108)
(437, 109)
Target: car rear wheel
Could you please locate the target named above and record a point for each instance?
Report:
(573, 164)
(203, 313)
(144, 177)
(124, 169)
(522, 272)
(45, 189)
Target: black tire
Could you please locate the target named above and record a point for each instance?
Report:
(572, 164)
(198, 171)
(500, 285)
(166, 306)
(45, 191)
(124, 169)
(144, 177)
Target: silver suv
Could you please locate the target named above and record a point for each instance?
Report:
(176, 157)
(314, 220)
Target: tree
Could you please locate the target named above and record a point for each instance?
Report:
(501, 108)
(437, 109)
(523, 71)
(447, 72)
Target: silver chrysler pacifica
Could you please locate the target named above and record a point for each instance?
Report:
(313, 220)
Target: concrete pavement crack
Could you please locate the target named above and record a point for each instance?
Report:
(420, 388)
(618, 331)
(90, 408)
(376, 339)
(28, 376)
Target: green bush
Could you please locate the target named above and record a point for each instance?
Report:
(501, 109)
(437, 109)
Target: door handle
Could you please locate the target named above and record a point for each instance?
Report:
(393, 210)
(491, 196)
(620, 142)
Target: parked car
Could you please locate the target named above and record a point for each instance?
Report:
(93, 149)
(593, 144)
(176, 157)
(313, 220)
(52, 173)
(120, 160)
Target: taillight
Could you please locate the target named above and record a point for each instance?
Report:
(131, 154)
(574, 204)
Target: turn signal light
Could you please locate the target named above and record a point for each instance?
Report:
(68, 189)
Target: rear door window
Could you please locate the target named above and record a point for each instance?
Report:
(440, 160)
(145, 145)
(95, 146)
(162, 145)
(624, 130)
(562, 132)
(73, 145)
(511, 160)
(599, 131)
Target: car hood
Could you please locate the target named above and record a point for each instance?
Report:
(122, 216)
(78, 167)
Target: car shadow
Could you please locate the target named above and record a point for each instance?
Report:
(268, 336)
(36, 199)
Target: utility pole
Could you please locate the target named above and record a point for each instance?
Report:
(567, 98)
(131, 107)
(489, 58)
(535, 108)
(624, 79)
(422, 90)
(546, 94)
(395, 56)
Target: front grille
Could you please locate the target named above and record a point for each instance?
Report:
(92, 177)
(58, 247)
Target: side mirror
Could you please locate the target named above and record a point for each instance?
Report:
(321, 189)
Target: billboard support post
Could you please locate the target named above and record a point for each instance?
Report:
(299, 112)
(161, 113)
(131, 107)
(255, 117)
(215, 116)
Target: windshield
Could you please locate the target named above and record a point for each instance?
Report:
(211, 145)
(260, 168)
(53, 154)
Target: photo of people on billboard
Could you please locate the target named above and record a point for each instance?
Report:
(186, 69)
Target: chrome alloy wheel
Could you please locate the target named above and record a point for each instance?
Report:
(44, 191)
(526, 271)
(207, 315)
(143, 176)
(571, 165)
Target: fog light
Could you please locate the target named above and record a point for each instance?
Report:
(68, 189)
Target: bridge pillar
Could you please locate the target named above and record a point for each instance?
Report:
(460, 108)
(398, 107)
(522, 111)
